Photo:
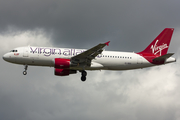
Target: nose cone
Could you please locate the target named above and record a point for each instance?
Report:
(5, 57)
(8, 57)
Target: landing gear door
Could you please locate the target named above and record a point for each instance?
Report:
(25, 52)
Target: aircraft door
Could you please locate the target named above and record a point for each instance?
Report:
(140, 60)
(25, 52)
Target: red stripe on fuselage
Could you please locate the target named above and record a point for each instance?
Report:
(150, 57)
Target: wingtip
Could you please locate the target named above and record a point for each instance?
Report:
(107, 43)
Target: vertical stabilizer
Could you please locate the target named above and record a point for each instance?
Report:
(159, 46)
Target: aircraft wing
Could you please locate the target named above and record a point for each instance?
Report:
(85, 57)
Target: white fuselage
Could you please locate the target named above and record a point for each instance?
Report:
(107, 60)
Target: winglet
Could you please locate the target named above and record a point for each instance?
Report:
(107, 43)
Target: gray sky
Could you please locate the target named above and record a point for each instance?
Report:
(151, 93)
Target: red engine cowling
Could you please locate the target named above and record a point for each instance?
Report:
(64, 72)
(61, 63)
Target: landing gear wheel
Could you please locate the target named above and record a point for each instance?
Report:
(83, 78)
(84, 74)
(24, 73)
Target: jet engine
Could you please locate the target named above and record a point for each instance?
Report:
(61, 63)
(64, 72)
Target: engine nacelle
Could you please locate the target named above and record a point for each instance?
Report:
(61, 63)
(64, 72)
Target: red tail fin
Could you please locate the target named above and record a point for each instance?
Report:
(160, 44)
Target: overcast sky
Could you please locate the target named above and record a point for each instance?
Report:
(144, 94)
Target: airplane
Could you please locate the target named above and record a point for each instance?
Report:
(68, 61)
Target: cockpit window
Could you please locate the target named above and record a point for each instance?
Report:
(13, 51)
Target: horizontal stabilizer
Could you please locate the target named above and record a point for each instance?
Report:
(163, 57)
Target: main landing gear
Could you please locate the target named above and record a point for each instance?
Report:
(83, 75)
(25, 72)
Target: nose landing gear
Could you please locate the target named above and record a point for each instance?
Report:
(25, 72)
(83, 75)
